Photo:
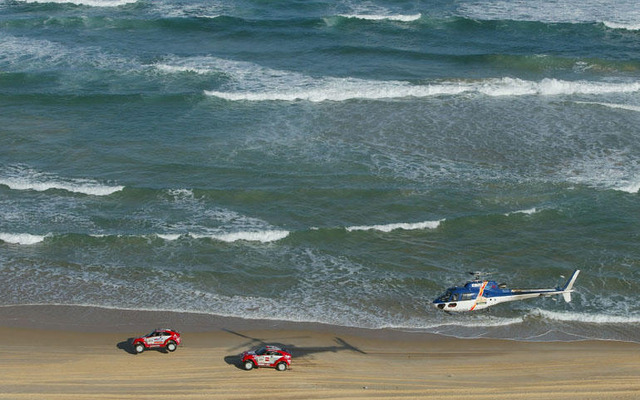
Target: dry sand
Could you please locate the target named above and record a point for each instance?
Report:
(82, 353)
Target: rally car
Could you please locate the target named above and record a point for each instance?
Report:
(168, 339)
(267, 356)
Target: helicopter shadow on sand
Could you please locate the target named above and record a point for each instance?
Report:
(296, 351)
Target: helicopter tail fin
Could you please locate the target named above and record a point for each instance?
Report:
(568, 287)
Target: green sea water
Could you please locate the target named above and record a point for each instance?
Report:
(336, 162)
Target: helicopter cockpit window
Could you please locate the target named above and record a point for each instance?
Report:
(445, 297)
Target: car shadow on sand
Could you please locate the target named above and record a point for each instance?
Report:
(127, 346)
(296, 351)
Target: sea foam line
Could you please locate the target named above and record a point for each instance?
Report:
(21, 238)
(92, 3)
(249, 236)
(343, 89)
(622, 25)
(382, 17)
(24, 178)
(529, 211)
(612, 105)
(590, 318)
(392, 227)
(630, 188)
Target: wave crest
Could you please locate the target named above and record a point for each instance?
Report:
(24, 178)
(21, 238)
(91, 3)
(392, 227)
(382, 17)
(343, 89)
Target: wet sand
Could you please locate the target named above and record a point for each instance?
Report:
(59, 352)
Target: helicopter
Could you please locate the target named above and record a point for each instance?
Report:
(479, 294)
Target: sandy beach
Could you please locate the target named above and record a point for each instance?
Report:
(55, 352)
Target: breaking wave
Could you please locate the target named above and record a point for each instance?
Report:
(91, 3)
(24, 178)
(249, 236)
(21, 238)
(624, 15)
(590, 318)
(529, 211)
(392, 227)
(382, 17)
(628, 107)
(292, 87)
(262, 237)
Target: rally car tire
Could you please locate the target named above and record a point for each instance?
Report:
(281, 366)
(248, 365)
(138, 348)
(171, 346)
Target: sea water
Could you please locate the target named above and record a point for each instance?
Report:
(341, 162)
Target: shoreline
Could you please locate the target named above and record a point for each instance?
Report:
(77, 352)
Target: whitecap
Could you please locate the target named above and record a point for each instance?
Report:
(394, 226)
(92, 3)
(635, 26)
(24, 178)
(382, 17)
(528, 211)
(591, 318)
(630, 188)
(21, 238)
(614, 171)
(253, 83)
(628, 107)
(250, 236)
(624, 15)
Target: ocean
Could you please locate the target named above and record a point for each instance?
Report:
(340, 162)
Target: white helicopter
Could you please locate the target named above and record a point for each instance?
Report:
(479, 294)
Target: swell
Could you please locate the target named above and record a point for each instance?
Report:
(141, 16)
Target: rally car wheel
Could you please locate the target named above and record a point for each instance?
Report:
(248, 365)
(172, 346)
(139, 348)
(281, 366)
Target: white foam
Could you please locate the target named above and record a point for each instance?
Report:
(169, 236)
(622, 14)
(262, 236)
(630, 188)
(382, 17)
(392, 227)
(249, 236)
(628, 107)
(24, 178)
(528, 211)
(22, 54)
(191, 9)
(591, 318)
(282, 86)
(92, 3)
(44, 182)
(21, 238)
(625, 26)
(614, 171)
(180, 68)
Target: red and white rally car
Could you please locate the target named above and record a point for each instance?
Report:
(267, 356)
(168, 339)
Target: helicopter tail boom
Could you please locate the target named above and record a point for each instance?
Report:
(568, 287)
